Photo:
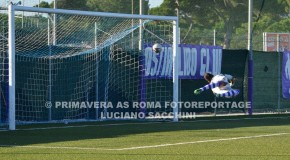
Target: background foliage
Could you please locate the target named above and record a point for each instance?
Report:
(200, 19)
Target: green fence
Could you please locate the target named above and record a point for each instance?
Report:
(267, 83)
(267, 89)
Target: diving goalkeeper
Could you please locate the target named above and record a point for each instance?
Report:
(220, 84)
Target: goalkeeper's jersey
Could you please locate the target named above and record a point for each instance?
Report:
(222, 78)
(218, 88)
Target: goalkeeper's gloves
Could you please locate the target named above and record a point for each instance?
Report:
(197, 91)
(232, 82)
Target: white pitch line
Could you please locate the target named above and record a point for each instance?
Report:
(152, 146)
(204, 141)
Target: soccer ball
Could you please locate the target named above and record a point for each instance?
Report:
(157, 48)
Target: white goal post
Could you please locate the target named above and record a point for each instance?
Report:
(30, 55)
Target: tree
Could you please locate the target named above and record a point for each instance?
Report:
(43, 4)
(206, 14)
(223, 15)
(272, 16)
(117, 6)
(72, 4)
(166, 8)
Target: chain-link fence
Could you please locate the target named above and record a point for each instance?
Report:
(212, 22)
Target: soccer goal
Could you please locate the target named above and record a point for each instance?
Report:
(67, 65)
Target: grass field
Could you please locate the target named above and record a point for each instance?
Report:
(238, 138)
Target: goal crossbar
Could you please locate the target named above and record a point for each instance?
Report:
(90, 13)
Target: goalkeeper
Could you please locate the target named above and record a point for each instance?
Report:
(220, 84)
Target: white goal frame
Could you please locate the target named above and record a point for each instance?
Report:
(11, 52)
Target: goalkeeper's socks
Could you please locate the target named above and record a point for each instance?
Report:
(210, 86)
(231, 93)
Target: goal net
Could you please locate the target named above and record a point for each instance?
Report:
(64, 65)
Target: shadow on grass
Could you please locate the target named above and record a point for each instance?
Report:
(113, 129)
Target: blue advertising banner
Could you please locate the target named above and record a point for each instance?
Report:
(286, 74)
(194, 61)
